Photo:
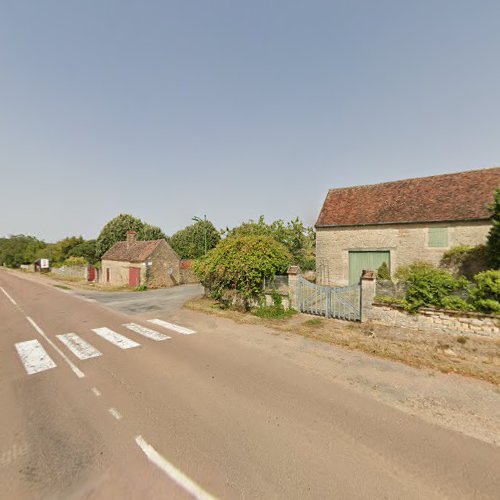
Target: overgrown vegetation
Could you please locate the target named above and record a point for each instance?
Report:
(485, 294)
(383, 272)
(465, 260)
(19, 249)
(240, 264)
(299, 239)
(274, 311)
(493, 243)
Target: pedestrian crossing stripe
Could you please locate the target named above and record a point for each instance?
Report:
(171, 326)
(79, 347)
(146, 332)
(34, 357)
(115, 338)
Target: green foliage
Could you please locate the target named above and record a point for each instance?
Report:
(241, 263)
(87, 250)
(294, 235)
(432, 287)
(273, 312)
(403, 272)
(189, 243)
(493, 243)
(141, 288)
(485, 294)
(116, 230)
(383, 272)
(58, 252)
(465, 260)
(456, 303)
(19, 249)
(390, 300)
(75, 261)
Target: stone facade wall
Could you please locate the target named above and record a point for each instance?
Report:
(163, 267)
(118, 272)
(70, 271)
(405, 242)
(187, 274)
(454, 322)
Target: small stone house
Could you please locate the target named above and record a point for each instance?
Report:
(401, 222)
(133, 263)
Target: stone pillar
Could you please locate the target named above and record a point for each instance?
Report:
(368, 286)
(293, 281)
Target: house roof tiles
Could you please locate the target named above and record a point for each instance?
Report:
(440, 198)
(137, 251)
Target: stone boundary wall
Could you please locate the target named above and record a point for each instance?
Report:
(70, 271)
(440, 320)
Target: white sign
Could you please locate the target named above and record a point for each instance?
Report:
(44, 263)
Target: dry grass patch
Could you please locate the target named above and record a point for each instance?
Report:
(472, 355)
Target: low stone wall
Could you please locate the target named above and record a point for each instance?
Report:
(440, 320)
(70, 272)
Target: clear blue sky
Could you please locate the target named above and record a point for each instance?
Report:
(169, 109)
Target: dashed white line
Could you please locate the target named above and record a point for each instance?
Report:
(73, 367)
(34, 357)
(115, 338)
(175, 474)
(170, 326)
(96, 391)
(78, 346)
(8, 296)
(115, 413)
(146, 332)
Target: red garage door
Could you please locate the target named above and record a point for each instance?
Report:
(134, 276)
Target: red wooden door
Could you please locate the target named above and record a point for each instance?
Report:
(134, 276)
(91, 273)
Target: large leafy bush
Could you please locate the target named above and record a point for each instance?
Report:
(465, 260)
(240, 264)
(433, 287)
(493, 243)
(485, 294)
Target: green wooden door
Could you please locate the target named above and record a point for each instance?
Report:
(366, 260)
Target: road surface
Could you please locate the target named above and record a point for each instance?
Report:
(99, 404)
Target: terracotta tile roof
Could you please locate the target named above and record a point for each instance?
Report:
(137, 251)
(449, 197)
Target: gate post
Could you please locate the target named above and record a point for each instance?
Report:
(293, 286)
(368, 285)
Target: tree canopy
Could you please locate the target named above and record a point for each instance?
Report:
(189, 243)
(493, 243)
(116, 230)
(299, 239)
(19, 249)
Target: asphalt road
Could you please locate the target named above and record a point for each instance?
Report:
(198, 415)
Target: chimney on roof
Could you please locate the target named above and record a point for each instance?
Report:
(131, 235)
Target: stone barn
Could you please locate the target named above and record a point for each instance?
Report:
(152, 263)
(401, 222)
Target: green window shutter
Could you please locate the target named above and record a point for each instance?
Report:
(438, 237)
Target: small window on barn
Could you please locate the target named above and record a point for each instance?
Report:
(438, 237)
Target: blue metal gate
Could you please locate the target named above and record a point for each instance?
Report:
(331, 302)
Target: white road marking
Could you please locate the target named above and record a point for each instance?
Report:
(175, 474)
(115, 338)
(8, 296)
(171, 326)
(115, 413)
(146, 332)
(78, 346)
(34, 357)
(75, 368)
(96, 391)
